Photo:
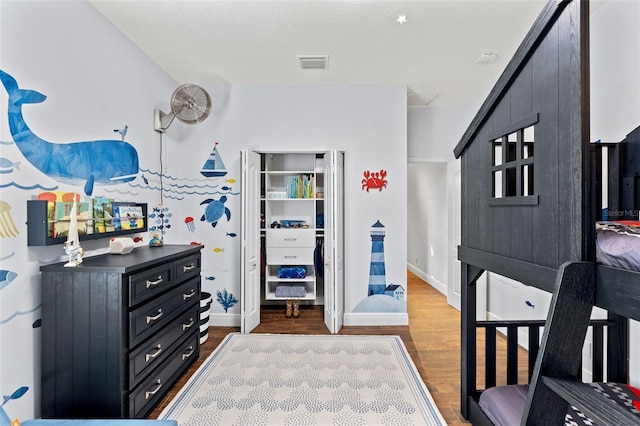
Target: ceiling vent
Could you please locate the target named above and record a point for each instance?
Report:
(313, 62)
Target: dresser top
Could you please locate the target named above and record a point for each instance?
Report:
(139, 258)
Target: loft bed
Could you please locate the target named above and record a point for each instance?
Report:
(534, 227)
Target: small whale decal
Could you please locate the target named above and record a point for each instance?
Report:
(6, 277)
(106, 162)
(7, 166)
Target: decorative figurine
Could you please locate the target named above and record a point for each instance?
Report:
(72, 245)
(155, 241)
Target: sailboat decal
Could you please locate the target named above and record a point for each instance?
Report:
(214, 167)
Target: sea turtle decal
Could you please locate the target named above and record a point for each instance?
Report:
(214, 210)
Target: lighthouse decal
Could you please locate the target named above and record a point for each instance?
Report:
(377, 276)
(380, 296)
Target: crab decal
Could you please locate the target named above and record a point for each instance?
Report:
(214, 210)
(374, 180)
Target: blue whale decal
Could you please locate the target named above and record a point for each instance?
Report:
(106, 162)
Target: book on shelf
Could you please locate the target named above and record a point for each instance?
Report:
(62, 212)
(107, 210)
(128, 216)
(102, 215)
(53, 197)
(301, 186)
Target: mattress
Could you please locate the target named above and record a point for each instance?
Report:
(504, 405)
(618, 244)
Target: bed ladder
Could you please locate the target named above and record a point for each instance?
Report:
(554, 383)
(560, 353)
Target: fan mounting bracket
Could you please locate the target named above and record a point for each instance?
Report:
(162, 121)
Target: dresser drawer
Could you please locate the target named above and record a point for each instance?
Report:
(291, 238)
(144, 397)
(187, 268)
(149, 318)
(289, 256)
(150, 283)
(151, 353)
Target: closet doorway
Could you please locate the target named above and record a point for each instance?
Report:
(292, 233)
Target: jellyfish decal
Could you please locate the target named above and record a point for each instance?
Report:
(191, 226)
(7, 226)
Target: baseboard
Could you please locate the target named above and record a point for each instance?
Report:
(376, 318)
(417, 271)
(429, 279)
(224, 320)
(369, 318)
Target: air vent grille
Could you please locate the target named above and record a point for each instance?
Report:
(313, 62)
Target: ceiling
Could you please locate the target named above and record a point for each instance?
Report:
(434, 53)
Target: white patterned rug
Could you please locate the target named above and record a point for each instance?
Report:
(279, 379)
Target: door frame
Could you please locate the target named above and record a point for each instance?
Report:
(247, 319)
(250, 242)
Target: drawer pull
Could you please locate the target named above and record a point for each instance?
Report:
(186, 326)
(290, 257)
(156, 282)
(187, 268)
(149, 394)
(149, 319)
(188, 296)
(147, 357)
(188, 354)
(291, 239)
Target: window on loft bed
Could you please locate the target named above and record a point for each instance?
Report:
(512, 151)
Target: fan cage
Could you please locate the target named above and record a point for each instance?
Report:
(190, 103)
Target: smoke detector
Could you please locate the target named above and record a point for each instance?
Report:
(486, 58)
(313, 62)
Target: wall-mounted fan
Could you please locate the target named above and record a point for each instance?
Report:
(190, 104)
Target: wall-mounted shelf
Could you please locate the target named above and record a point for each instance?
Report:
(38, 233)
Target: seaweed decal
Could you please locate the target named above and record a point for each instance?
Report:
(226, 299)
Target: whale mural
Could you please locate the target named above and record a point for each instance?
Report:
(106, 162)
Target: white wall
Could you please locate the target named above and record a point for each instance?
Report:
(97, 81)
(427, 214)
(615, 67)
(433, 133)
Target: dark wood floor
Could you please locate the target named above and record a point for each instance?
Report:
(432, 339)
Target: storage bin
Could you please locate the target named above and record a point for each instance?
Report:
(205, 310)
